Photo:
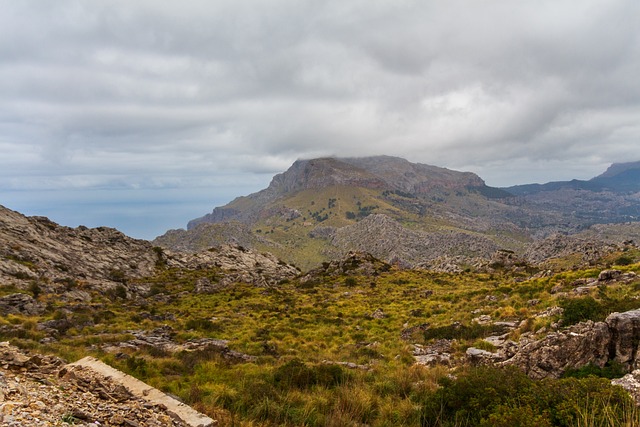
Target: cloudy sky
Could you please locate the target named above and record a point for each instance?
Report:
(142, 115)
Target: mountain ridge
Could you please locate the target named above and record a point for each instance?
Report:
(315, 196)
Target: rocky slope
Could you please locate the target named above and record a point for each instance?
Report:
(37, 249)
(387, 239)
(42, 256)
(37, 390)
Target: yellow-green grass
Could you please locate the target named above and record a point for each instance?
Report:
(299, 327)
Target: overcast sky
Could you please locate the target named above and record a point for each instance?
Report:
(142, 115)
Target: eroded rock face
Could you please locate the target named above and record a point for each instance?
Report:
(354, 263)
(35, 251)
(616, 339)
(625, 337)
(387, 239)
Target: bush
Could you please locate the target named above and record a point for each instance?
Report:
(201, 324)
(350, 282)
(611, 370)
(488, 396)
(297, 374)
(463, 332)
(623, 260)
(580, 309)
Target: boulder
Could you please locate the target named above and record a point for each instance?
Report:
(438, 353)
(476, 356)
(625, 336)
(608, 275)
(631, 383)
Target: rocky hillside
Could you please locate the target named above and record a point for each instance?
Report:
(40, 255)
(414, 214)
(37, 249)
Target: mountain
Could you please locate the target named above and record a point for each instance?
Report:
(384, 173)
(619, 178)
(410, 213)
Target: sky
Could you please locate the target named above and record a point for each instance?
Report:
(144, 114)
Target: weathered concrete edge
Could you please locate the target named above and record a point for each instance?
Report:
(144, 391)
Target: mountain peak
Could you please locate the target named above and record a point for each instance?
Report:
(618, 168)
(376, 172)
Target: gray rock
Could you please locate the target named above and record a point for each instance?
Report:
(575, 347)
(476, 356)
(378, 314)
(19, 303)
(616, 339)
(631, 383)
(609, 275)
(438, 353)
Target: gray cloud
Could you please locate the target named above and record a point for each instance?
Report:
(151, 94)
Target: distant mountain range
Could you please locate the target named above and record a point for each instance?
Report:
(410, 213)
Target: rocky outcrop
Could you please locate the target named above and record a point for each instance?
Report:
(354, 263)
(206, 235)
(19, 303)
(162, 340)
(238, 264)
(438, 353)
(616, 339)
(44, 257)
(37, 390)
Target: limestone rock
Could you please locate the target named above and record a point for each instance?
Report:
(625, 338)
(20, 303)
(378, 314)
(35, 248)
(238, 265)
(608, 275)
(575, 347)
(616, 339)
(354, 263)
(37, 390)
(438, 353)
(476, 356)
(631, 383)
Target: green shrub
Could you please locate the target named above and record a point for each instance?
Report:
(488, 396)
(297, 374)
(463, 332)
(623, 260)
(611, 370)
(350, 282)
(201, 324)
(581, 309)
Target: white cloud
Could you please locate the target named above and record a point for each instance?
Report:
(152, 94)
